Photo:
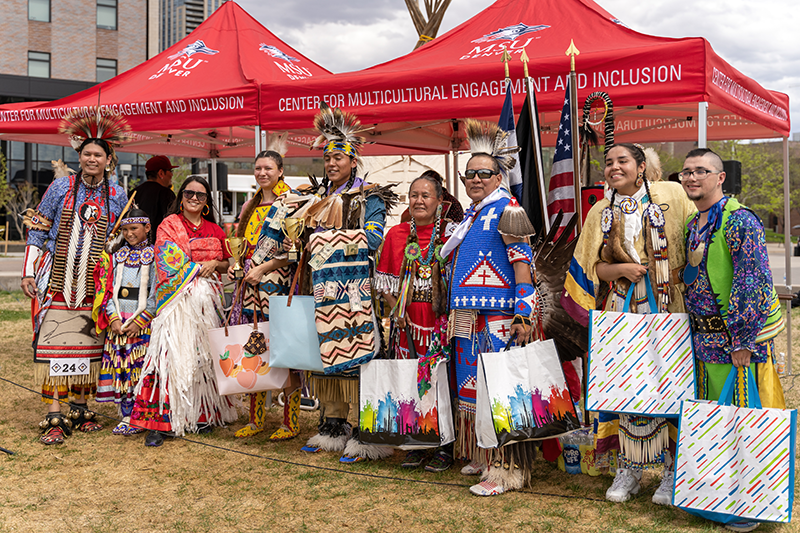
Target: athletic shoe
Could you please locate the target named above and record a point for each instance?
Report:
(742, 526)
(413, 459)
(487, 488)
(473, 469)
(625, 485)
(663, 494)
(441, 461)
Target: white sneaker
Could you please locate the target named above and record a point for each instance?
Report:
(473, 469)
(743, 526)
(663, 494)
(625, 485)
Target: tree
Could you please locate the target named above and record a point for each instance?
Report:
(22, 197)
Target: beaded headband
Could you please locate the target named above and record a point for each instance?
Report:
(135, 220)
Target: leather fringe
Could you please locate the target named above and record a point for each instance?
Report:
(334, 389)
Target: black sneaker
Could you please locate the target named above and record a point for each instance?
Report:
(153, 438)
(414, 459)
(441, 461)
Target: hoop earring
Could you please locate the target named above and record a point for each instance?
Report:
(206, 210)
(640, 179)
(181, 207)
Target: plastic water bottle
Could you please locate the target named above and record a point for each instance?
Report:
(572, 454)
(781, 367)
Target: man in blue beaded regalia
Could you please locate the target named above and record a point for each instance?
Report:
(491, 298)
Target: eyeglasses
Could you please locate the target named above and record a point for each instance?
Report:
(201, 196)
(699, 174)
(483, 173)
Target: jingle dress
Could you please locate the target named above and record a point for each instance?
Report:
(69, 227)
(178, 389)
(584, 291)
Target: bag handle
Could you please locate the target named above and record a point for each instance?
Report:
(726, 396)
(260, 307)
(296, 276)
(650, 298)
(236, 294)
(412, 348)
(510, 340)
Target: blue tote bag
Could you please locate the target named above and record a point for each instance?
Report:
(293, 338)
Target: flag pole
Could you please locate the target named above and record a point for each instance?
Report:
(572, 51)
(536, 138)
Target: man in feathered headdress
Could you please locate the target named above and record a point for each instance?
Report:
(349, 224)
(66, 235)
(491, 296)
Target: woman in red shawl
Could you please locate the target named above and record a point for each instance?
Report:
(410, 277)
(178, 389)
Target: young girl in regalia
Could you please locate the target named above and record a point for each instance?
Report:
(125, 310)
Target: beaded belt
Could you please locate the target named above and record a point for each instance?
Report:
(708, 324)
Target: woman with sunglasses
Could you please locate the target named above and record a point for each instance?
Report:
(632, 237)
(178, 389)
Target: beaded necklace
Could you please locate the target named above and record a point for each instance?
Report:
(417, 265)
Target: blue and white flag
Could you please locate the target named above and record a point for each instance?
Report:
(514, 178)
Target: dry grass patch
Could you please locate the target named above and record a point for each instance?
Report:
(102, 482)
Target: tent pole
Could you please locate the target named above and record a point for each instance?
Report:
(257, 142)
(447, 173)
(212, 173)
(787, 243)
(702, 126)
(455, 174)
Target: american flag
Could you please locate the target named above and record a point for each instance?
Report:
(561, 192)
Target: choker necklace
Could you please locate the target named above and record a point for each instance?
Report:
(89, 185)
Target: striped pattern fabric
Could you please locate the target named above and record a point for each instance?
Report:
(640, 364)
(736, 461)
(561, 191)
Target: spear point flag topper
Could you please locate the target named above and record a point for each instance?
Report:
(572, 51)
(505, 58)
(524, 58)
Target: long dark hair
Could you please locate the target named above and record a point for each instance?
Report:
(244, 219)
(175, 208)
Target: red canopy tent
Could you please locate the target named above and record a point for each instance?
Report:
(656, 83)
(199, 98)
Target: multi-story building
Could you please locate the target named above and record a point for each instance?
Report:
(176, 19)
(54, 48)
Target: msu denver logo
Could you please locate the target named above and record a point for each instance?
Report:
(277, 53)
(510, 33)
(197, 47)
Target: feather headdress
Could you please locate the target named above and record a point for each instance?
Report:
(339, 131)
(488, 138)
(108, 126)
(278, 142)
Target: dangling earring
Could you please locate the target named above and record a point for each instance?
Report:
(181, 207)
(640, 179)
(206, 210)
(108, 168)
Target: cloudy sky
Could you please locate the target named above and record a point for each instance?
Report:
(760, 38)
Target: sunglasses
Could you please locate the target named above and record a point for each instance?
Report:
(201, 196)
(483, 173)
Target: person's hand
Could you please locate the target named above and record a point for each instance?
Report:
(131, 330)
(208, 268)
(400, 322)
(230, 273)
(287, 244)
(28, 286)
(741, 358)
(116, 327)
(523, 333)
(633, 271)
(254, 275)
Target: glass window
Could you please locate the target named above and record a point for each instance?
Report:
(106, 69)
(38, 64)
(39, 10)
(16, 150)
(49, 153)
(107, 14)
